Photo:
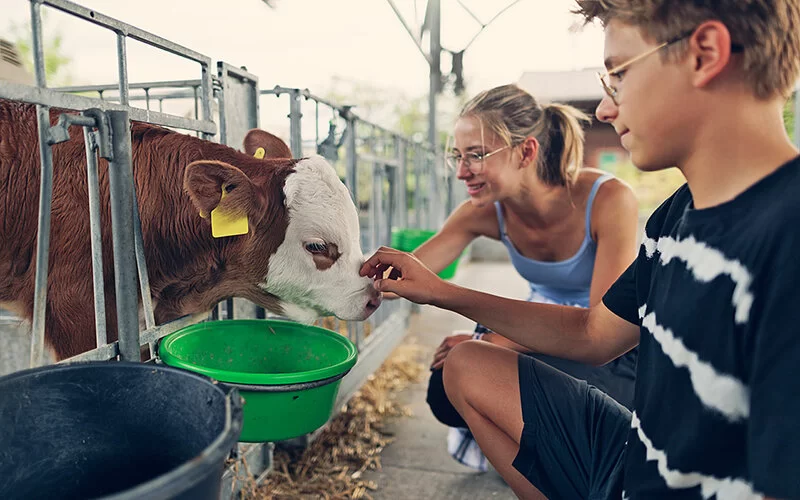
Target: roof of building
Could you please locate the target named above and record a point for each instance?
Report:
(563, 86)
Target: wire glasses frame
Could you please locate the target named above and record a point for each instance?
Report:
(612, 90)
(472, 160)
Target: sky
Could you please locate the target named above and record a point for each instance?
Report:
(305, 43)
(323, 44)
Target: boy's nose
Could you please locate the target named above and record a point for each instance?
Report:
(606, 111)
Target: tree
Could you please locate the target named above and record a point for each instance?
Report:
(56, 62)
(395, 109)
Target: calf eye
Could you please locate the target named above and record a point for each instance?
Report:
(316, 247)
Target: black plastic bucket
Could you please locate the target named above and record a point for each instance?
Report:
(114, 430)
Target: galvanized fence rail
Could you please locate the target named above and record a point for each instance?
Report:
(393, 181)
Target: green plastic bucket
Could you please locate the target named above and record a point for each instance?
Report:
(287, 373)
(408, 240)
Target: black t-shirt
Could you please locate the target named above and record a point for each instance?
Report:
(716, 293)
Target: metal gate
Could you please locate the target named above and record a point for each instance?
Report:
(388, 161)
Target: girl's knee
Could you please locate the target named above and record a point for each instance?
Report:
(462, 361)
(462, 358)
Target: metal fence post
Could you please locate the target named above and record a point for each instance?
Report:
(96, 237)
(401, 182)
(351, 174)
(295, 115)
(45, 198)
(122, 67)
(120, 179)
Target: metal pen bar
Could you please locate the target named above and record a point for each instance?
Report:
(344, 111)
(93, 183)
(401, 182)
(375, 205)
(122, 65)
(49, 97)
(206, 86)
(152, 335)
(383, 160)
(196, 108)
(223, 123)
(295, 130)
(45, 198)
(239, 73)
(126, 29)
(141, 266)
(419, 171)
(104, 353)
(388, 217)
(131, 86)
(229, 308)
(352, 160)
(38, 47)
(42, 238)
(120, 179)
(316, 123)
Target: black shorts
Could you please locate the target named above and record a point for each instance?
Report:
(573, 439)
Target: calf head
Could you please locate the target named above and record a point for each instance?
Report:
(299, 250)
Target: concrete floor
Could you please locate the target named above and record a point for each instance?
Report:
(417, 464)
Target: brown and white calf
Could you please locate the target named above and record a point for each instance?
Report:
(300, 256)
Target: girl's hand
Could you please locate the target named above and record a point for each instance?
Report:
(444, 349)
(407, 276)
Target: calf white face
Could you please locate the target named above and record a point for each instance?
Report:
(315, 270)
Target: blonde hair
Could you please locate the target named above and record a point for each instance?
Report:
(513, 115)
(769, 31)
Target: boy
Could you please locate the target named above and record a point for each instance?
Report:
(711, 299)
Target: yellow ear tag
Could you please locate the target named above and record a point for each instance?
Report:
(224, 224)
(259, 153)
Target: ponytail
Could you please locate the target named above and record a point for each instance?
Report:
(561, 142)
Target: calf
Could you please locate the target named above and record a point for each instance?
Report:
(299, 253)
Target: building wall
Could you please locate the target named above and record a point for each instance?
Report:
(602, 147)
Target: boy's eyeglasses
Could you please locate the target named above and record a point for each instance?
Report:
(605, 79)
(472, 160)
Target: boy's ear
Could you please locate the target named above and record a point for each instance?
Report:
(262, 144)
(205, 181)
(710, 51)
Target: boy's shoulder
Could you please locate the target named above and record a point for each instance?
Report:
(771, 203)
(671, 209)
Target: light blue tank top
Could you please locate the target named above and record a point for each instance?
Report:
(563, 282)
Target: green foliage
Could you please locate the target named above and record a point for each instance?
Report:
(56, 62)
(651, 188)
(788, 115)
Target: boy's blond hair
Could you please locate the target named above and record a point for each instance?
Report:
(769, 31)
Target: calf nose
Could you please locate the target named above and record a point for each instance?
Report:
(373, 303)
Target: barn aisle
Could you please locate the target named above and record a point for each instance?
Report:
(416, 464)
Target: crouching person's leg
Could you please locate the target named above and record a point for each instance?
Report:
(440, 406)
(549, 435)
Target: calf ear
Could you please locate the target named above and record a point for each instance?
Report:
(272, 146)
(205, 181)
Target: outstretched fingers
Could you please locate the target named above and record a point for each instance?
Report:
(383, 260)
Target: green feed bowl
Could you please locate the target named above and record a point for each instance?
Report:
(408, 240)
(287, 373)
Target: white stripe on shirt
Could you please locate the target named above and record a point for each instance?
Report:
(706, 264)
(727, 488)
(718, 391)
